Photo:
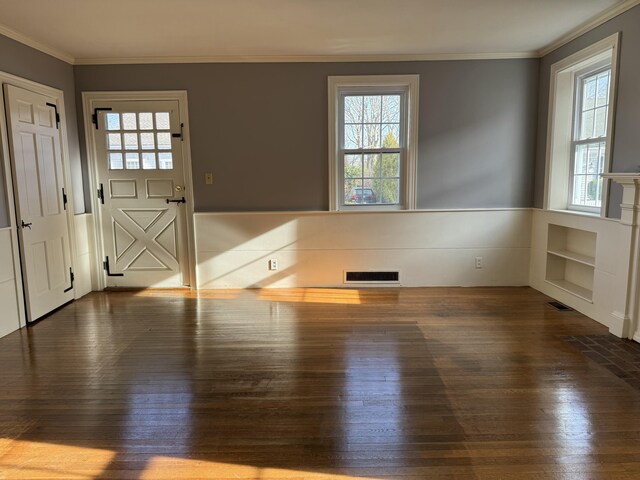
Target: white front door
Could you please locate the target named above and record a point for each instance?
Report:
(140, 174)
(38, 179)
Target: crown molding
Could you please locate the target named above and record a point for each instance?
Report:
(590, 25)
(305, 58)
(30, 42)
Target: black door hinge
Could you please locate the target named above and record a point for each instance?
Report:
(55, 108)
(101, 194)
(64, 199)
(105, 266)
(73, 277)
(181, 134)
(94, 117)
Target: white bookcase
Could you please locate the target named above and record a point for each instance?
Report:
(571, 260)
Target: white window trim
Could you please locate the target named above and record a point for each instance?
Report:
(409, 175)
(561, 123)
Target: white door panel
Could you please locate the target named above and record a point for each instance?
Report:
(40, 209)
(140, 172)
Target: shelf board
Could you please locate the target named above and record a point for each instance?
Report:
(576, 257)
(572, 288)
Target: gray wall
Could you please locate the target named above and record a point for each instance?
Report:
(627, 116)
(262, 129)
(25, 62)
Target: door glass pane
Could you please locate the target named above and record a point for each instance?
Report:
(149, 161)
(115, 161)
(165, 160)
(162, 121)
(164, 141)
(129, 121)
(147, 141)
(131, 141)
(146, 121)
(114, 141)
(133, 161)
(113, 121)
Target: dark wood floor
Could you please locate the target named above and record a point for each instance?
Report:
(403, 383)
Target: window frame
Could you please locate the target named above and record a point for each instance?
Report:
(563, 121)
(408, 87)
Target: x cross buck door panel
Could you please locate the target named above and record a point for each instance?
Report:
(141, 190)
(41, 201)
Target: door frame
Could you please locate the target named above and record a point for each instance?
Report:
(7, 162)
(89, 99)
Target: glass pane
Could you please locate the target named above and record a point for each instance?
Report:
(149, 161)
(352, 166)
(164, 141)
(129, 121)
(114, 141)
(391, 165)
(369, 192)
(594, 186)
(352, 187)
(146, 121)
(162, 121)
(353, 136)
(390, 191)
(371, 166)
(372, 135)
(113, 121)
(372, 109)
(115, 161)
(353, 109)
(580, 164)
(165, 160)
(600, 122)
(130, 141)
(588, 93)
(391, 109)
(579, 189)
(602, 91)
(147, 141)
(586, 125)
(391, 135)
(133, 161)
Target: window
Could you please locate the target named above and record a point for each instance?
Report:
(373, 142)
(580, 128)
(134, 141)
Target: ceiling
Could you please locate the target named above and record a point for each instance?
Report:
(125, 31)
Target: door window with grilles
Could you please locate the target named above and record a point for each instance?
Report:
(139, 141)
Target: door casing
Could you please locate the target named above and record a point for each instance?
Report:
(58, 95)
(89, 100)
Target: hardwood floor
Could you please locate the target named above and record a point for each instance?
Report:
(440, 383)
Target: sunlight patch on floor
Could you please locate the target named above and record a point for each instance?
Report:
(341, 296)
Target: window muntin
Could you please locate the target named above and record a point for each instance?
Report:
(139, 140)
(589, 143)
(370, 148)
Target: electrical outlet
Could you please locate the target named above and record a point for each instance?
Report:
(208, 178)
(478, 262)
(273, 264)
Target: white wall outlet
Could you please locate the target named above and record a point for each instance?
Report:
(273, 264)
(478, 262)
(208, 178)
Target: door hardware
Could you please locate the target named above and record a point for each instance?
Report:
(182, 200)
(72, 276)
(105, 266)
(64, 199)
(55, 108)
(101, 194)
(26, 225)
(94, 117)
(179, 135)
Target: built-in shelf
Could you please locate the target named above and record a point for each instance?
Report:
(571, 260)
(576, 257)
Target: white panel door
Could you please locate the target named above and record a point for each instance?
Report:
(142, 193)
(40, 200)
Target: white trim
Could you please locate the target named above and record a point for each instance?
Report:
(58, 95)
(397, 57)
(369, 212)
(605, 16)
(571, 65)
(88, 99)
(35, 44)
(412, 85)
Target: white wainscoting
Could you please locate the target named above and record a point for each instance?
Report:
(84, 268)
(10, 319)
(429, 248)
(608, 268)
